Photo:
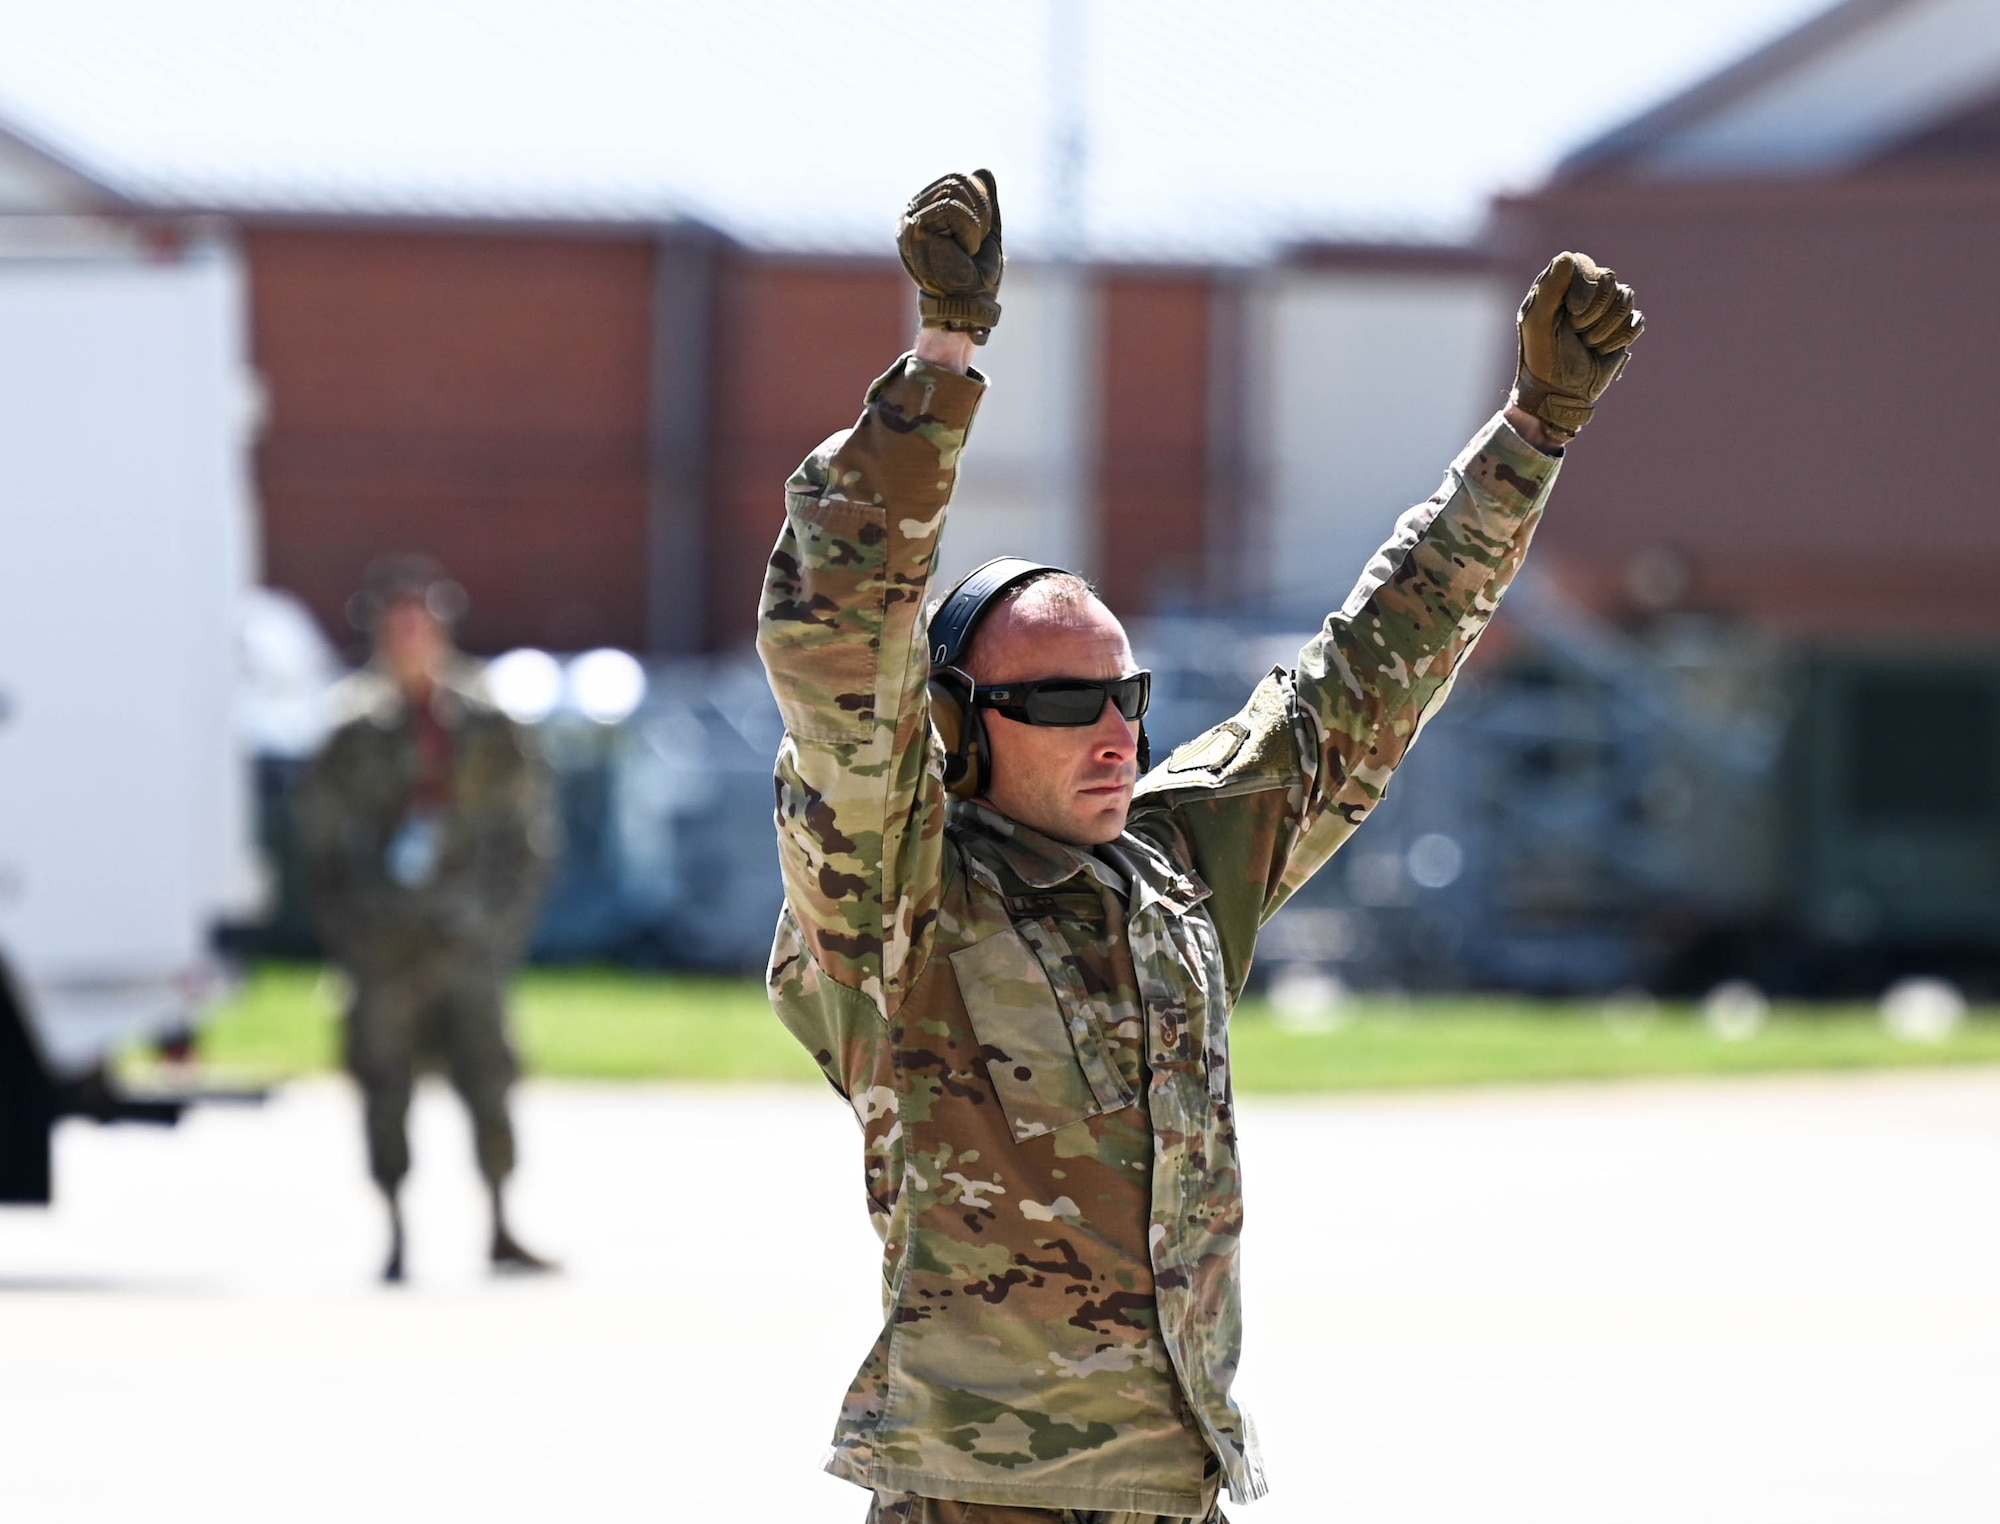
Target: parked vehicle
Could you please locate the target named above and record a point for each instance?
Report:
(126, 545)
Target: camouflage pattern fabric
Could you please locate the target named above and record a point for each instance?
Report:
(449, 1013)
(428, 961)
(907, 1508)
(1034, 1036)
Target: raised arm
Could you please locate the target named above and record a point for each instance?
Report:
(860, 804)
(1263, 800)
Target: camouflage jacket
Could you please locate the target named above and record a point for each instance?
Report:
(495, 839)
(1034, 1036)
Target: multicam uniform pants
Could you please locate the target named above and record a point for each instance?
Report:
(453, 1012)
(906, 1508)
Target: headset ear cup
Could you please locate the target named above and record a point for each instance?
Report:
(958, 730)
(978, 761)
(948, 720)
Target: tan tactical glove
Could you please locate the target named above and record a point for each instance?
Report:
(1576, 330)
(949, 238)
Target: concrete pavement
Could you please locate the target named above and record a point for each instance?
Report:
(1768, 1301)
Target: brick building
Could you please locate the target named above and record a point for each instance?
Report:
(591, 422)
(1802, 436)
(591, 419)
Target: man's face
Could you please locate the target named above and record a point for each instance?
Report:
(412, 643)
(1070, 782)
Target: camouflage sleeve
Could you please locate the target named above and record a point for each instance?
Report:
(345, 892)
(515, 836)
(1263, 800)
(860, 808)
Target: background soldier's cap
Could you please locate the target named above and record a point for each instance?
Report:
(404, 574)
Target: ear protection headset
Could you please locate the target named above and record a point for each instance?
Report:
(968, 759)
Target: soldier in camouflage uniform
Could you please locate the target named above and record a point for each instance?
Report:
(426, 832)
(1025, 995)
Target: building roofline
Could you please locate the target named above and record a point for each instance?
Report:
(252, 218)
(1604, 156)
(1388, 258)
(1864, 195)
(61, 164)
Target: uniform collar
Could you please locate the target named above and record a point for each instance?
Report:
(382, 700)
(1129, 867)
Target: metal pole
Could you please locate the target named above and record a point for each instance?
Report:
(676, 530)
(1068, 140)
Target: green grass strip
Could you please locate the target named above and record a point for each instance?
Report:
(1390, 1045)
(611, 1024)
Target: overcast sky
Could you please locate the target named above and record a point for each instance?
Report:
(1207, 127)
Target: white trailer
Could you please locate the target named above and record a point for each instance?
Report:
(126, 548)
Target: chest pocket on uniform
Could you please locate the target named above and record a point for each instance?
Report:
(1040, 1032)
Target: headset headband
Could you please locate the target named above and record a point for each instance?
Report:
(958, 616)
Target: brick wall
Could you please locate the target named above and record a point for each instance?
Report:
(479, 396)
(1808, 418)
(796, 343)
(487, 396)
(1152, 455)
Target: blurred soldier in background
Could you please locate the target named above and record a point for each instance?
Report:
(426, 833)
(1015, 949)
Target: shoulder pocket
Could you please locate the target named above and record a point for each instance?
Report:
(1044, 1051)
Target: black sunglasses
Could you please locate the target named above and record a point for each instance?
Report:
(1067, 700)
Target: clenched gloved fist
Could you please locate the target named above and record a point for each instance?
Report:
(949, 238)
(1576, 330)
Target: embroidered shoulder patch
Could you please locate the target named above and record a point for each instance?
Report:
(1209, 753)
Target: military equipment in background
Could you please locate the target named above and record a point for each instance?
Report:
(1601, 810)
(669, 859)
(1892, 806)
(663, 787)
(1596, 810)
